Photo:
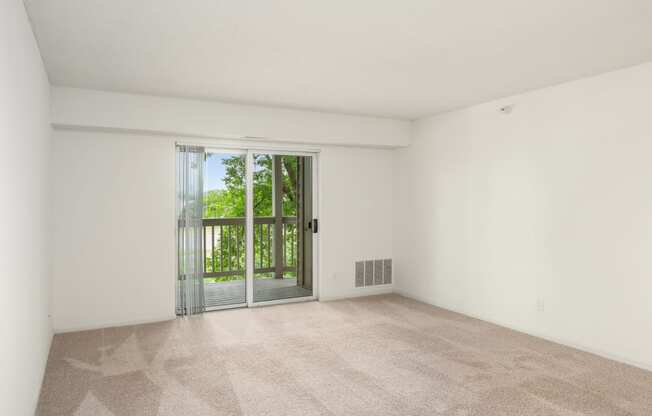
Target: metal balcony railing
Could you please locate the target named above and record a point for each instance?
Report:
(224, 246)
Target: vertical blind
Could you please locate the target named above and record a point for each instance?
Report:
(190, 209)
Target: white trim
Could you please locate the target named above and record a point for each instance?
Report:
(222, 307)
(281, 152)
(249, 228)
(361, 292)
(244, 145)
(114, 324)
(566, 343)
(316, 209)
(283, 301)
(175, 224)
(224, 150)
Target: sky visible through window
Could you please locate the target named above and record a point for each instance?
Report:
(214, 171)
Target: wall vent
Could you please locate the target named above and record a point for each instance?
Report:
(359, 274)
(369, 273)
(373, 272)
(387, 273)
(378, 272)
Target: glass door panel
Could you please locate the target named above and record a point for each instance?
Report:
(282, 227)
(224, 230)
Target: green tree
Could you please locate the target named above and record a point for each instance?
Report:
(230, 202)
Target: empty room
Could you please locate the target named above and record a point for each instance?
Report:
(301, 207)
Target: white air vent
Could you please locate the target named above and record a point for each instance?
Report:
(359, 274)
(373, 272)
(369, 273)
(387, 273)
(378, 272)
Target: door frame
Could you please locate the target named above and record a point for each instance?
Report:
(249, 149)
(249, 229)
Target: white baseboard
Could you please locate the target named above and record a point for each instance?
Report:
(369, 291)
(361, 291)
(44, 364)
(102, 325)
(581, 347)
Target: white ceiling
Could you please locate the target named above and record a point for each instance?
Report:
(402, 59)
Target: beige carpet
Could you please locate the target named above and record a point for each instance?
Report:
(384, 355)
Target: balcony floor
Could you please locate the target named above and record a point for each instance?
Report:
(233, 292)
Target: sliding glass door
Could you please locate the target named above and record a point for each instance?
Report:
(254, 213)
(282, 234)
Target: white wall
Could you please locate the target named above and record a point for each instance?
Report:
(356, 214)
(551, 203)
(25, 331)
(73, 107)
(114, 224)
(113, 210)
(113, 173)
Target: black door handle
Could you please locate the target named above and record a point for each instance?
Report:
(314, 225)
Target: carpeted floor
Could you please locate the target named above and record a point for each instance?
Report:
(383, 355)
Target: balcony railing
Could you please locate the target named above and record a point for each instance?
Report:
(224, 246)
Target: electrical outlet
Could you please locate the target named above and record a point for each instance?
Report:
(541, 305)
